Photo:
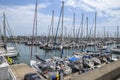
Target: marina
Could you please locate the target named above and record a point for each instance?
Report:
(86, 51)
(49, 54)
(19, 70)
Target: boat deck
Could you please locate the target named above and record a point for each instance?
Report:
(73, 75)
(19, 71)
(118, 79)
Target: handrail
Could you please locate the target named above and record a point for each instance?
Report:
(12, 75)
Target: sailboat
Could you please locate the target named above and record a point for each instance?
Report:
(49, 44)
(5, 53)
(117, 48)
(45, 67)
(39, 66)
(5, 50)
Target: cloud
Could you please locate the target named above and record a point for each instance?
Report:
(78, 4)
(20, 18)
(100, 6)
(107, 10)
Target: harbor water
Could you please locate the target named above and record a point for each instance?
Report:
(25, 52)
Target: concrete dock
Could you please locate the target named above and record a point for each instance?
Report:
(110, 71)
(118, 79)
(19, 71)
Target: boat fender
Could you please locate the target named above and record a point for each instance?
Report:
(53, 77)
(57, 76)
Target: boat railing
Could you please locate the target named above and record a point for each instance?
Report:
(11, 75)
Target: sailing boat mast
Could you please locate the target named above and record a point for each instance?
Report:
(62, 28)
(74, 25)
(95, 25)
(81, 34)
(4, 30)
(117, 31)
(61, 14)
(52, 23)
(36, 20)
(62, 18)
(82, 26)
(117, 34)
(86, 27)
(34, 29)
(104, 32)
(0, 31)
(50, 28)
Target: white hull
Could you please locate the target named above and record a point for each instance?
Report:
(116, 50)
(33, 64)
(10, 52)
(103, 48)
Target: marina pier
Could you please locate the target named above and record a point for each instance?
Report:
(20, 70)
(109, 71)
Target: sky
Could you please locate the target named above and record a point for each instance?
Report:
(20, 15)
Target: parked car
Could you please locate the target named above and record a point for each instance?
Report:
(32, 76)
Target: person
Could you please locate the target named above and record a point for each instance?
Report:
(57, 76)
(5, 47)
(61, 53)
(61, 75)
(50, 76)
(61, 72)
(53, 77)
